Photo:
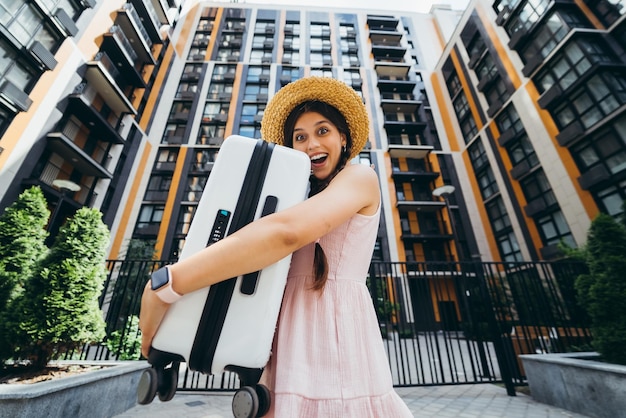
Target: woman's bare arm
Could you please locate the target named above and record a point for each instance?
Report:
(273, 237)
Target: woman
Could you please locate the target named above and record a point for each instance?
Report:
(328, 358)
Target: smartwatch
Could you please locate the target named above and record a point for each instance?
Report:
(161, 283)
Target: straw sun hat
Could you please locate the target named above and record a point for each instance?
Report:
(336, 93)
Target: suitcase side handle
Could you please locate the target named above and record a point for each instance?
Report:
(250, 280)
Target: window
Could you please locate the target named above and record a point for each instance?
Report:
(528, 15)
(509, 247)
(17, 72)
(150, 216)
(497, 93)
(590, 103)
(553, 229)
(180, 110)
(194, 188)
(220, 70)
(173, 130)
(612, 198)
(509, 119)
(186, 90)
(556, 27)
(219, 91)
(454, 85)
(608, 11)
(255, 72)
(487, 69)
(203, 160)
(571, 64)
(487, 183)
(292, 27)
(248, 112)
(476, 47)
(185, 216)
(215, 111)
(537, 188)
(522, 150)
(497, 215)
(166, 159)
(253, 90)
(158, 186)
(607, 147)
(250, 131)
(484, 174)
(210, 134)
(21, 19)
(478, 156)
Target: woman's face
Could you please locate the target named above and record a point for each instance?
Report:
(321, 141)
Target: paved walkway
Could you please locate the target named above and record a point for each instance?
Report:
(466, 401)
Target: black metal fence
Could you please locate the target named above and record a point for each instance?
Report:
(442, 323)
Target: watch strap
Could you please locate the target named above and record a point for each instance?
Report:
(166, 293)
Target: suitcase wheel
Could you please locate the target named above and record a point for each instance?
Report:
(167, 382)
(263, 394)
(147, 387)
(245, 403)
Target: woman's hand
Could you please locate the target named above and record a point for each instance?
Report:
(150, 316)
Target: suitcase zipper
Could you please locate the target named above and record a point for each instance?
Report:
(220, 294)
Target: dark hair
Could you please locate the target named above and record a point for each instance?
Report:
(320, 263)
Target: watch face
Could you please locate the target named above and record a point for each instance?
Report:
(159, 278)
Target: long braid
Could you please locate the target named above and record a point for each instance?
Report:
(320, 262)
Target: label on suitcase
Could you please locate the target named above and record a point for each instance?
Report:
(232, 323)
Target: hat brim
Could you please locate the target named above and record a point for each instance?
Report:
(334, 92)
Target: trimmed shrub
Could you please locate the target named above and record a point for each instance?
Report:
(602, 292)
(22, 246)
(22, 241)
(58, 310)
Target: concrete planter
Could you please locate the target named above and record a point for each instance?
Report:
(577, 382)
(100, 393)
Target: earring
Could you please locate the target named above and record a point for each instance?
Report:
(344, 148)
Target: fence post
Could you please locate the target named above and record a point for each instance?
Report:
(494, 330)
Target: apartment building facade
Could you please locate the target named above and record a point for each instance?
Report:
(75, 80)
(518, 105)
(537, 90)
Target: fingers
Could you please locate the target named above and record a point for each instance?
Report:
(151, 314)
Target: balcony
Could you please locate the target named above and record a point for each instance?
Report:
(395, 127)
(153, 15)
(508, 136)
(386, 85)
(130, 23)
(426, 205)
(102, 75)
(409, 151)
(392, 71)
(120, 51)
(79, 105)
(64, 23)
(571, 133)
(147, 229)
(382, 23)
(73, 154)
(43, 55)
(388, 54)
(427, 235)
(14, 97)
(393, 106)
(385, 38)
(594, 176)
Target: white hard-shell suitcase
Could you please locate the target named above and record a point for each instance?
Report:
(230, 325)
